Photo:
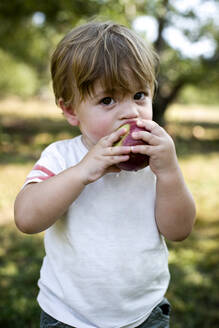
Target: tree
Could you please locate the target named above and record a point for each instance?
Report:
(178, 69)
(32, 42)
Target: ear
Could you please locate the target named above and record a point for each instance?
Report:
(69, 113)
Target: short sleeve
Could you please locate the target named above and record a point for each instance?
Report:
(50, 163)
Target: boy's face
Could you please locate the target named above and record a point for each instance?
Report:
(103, 112)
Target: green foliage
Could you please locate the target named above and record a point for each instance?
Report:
(29, 41)
(16, 77)
(191, 94)
(20, 260)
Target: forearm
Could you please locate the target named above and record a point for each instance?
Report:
(175, 208)
(39, 205)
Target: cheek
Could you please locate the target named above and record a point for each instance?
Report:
(150, 116)
(99, 129)
(148, 113)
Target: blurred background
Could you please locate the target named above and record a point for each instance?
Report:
(186, 35)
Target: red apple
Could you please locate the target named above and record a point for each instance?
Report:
(136, 161)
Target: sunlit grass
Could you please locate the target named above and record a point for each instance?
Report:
(31, 108)
(202, 175)
(194, 113)
(12, 178)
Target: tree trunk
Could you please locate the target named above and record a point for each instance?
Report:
(161, 101)
(159, 108)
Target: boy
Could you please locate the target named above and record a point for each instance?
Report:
(106, 260)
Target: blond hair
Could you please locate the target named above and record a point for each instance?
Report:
(102, 51)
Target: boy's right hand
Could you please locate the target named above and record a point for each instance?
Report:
(103, 157)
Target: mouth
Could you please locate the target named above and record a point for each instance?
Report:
(128, 122)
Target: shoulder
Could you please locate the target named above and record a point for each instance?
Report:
(60, 145)
(69, 152)
(63, 146)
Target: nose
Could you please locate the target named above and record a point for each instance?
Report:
(129, 111)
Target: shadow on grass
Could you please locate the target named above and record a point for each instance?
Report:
(194, 287)
(23, 140)
(194, 137)
(20, 261)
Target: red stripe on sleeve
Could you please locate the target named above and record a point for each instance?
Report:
(38, 177)
(44, 170)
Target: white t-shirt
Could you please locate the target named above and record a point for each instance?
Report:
(106, 265)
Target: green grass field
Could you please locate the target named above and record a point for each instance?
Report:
(27, 127)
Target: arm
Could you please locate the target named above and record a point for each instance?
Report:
(40, 205)
(174, 206)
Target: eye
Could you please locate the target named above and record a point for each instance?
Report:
(140, 95)
(107, 101)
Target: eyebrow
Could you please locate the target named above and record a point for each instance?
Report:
(103, 93)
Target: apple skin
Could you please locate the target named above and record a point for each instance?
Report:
(136, 161)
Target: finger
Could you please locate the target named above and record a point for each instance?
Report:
(146, 137)
(113, 137)
(117, 159)
(151, 126)
(118, 150)
(143, 149)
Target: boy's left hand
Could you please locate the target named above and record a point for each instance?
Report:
(160, 147)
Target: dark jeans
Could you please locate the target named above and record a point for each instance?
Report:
(159, 318)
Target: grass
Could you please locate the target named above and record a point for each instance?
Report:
(194, 263)
(26, 128)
